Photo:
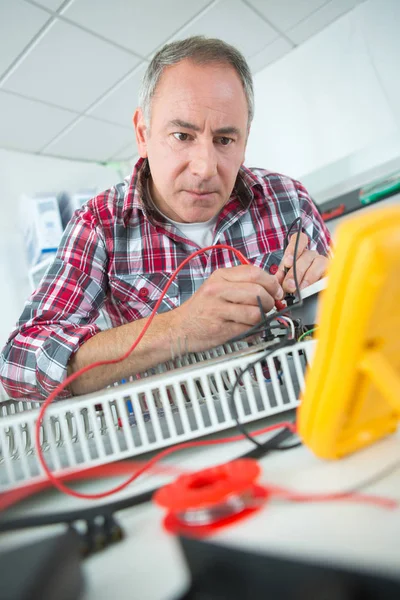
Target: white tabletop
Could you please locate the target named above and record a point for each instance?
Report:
(148, 563)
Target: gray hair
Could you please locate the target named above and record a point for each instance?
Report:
(201, 50)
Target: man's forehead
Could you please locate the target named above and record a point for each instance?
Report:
(184, 115)
(187, 67)
(192, 91)
(188, 81)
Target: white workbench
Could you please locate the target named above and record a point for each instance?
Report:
(148, 564)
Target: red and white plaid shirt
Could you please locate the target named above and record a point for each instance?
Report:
(118, 253)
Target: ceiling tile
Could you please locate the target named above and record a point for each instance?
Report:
(119, 105)
(139, 26)
(51, 4)
(285, 14)
(91, 139)
(29, 125)
(29, 20)
(320, 19)
(269, 54)
(70, 68)
(233, 22)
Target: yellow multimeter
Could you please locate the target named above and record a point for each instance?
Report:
(352, 391)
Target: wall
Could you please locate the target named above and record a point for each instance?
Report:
(336, 94)
(28, 174)
(365, 166)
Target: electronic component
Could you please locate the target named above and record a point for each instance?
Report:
(173, 403)
(307, 311)
(352, 391)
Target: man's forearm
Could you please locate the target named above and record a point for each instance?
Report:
(225, 305)
(155, 347)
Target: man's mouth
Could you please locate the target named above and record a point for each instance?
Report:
(200, 193)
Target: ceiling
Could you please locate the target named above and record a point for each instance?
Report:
(70, 70)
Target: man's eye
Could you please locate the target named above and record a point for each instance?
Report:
(182, 137)
(225, 141)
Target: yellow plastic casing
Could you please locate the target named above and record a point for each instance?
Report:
(352, 391)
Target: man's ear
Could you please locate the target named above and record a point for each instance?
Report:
(141, 132)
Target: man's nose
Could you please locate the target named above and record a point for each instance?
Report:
(203, 163)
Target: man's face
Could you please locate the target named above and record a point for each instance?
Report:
(196, 140)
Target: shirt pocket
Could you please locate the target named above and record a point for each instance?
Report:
(141, 292)
(268, 261)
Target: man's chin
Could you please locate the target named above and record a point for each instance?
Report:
(201, 210)
(200, 215)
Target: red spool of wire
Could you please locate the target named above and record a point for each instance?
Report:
(203, 502)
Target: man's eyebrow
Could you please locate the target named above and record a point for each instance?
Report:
(229, 130)
(184, 124)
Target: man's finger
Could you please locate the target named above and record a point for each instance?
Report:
(315, 271)
(247, 294)
(287, 260)
(253, 275)
(303, 263)
(280, 274)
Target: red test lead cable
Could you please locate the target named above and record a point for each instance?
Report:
(55, 480)
(199, 504)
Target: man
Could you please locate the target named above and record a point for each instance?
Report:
(188, 190)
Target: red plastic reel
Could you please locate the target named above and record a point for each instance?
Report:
(209, 488)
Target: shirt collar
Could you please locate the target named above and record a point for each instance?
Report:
(137, 197)
(245, 183)
(249, 178)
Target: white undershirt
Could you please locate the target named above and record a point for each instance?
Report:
(201, 234)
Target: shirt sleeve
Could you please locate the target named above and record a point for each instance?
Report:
(60, 315)
(313, 224)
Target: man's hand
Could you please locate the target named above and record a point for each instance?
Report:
(225, 306)
(310, 265)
